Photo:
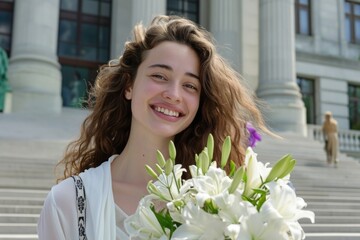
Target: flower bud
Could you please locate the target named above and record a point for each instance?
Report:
(172, 150)
(238, 176)
(168, 167)
(160, 158)
(151, 172)
(225, 152)
(210, 146)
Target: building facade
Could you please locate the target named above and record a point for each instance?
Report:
(302, 57)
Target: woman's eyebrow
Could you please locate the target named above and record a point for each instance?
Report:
(167, 67)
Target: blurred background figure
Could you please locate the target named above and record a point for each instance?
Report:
(330, 132)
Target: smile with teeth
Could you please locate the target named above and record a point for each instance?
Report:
(167, 112)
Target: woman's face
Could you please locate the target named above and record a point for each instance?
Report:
(166, 92)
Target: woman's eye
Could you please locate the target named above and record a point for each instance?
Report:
(158, 76)
(191, 86)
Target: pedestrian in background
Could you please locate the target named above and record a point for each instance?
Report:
(330, 133)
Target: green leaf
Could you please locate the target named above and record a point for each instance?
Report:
(172, 150)
(210, 146)
(260, 201)
(232, 168)
(225, 152)
(165, 220)
(160, 158)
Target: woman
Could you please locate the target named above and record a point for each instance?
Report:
(169, 84)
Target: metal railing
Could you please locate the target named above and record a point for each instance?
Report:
(349, 140)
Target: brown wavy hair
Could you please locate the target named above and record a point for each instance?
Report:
(225, 103)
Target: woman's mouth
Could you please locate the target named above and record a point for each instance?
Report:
(167, 112)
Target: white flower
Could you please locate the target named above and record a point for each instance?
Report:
(256, 172)
(199, 225)
(254, 203)
(168, 186)
(213, 185)
(283, 203)
(254, 227)
(144, 224)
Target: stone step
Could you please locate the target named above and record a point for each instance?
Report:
(18, 228)
(34, 201)
(331, 228)
(336, 212)
(23, 209)
(332, 236)
(333, 219)
(18, 218)
(18, 237)
(16, 192)
(28, 183)
(333, 205)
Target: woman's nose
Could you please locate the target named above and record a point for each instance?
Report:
(172, 93)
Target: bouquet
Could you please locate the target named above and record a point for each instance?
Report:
(251, 202)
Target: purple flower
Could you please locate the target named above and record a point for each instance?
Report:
(254, 136)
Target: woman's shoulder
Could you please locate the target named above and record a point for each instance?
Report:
(61, 193)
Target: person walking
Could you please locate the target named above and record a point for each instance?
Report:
(330, 132)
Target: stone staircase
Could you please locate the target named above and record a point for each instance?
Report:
(333, 193)
(27, 173)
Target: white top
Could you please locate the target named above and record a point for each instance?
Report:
(104, 220)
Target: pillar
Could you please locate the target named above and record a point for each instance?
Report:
(34, 72)
(277, 81)
(225, 27)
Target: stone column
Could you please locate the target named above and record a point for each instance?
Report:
(277, 83)
(225, 26)
(125, 14)
(34, 71)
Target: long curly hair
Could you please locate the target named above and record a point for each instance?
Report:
(226, 105)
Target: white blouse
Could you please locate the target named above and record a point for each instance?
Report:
(104, 219)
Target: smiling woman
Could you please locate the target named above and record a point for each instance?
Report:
(169, 84)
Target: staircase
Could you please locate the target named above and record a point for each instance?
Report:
(333, 193)
(28, 157)
(30, 147)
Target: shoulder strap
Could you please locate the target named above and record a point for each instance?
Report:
(80, 206)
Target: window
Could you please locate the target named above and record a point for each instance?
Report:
(303, 17)
(354, 106)
(83, 45)
(307, 90)
(6, 19)
(184, 8)
(352, 21)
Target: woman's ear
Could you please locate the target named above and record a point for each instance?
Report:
(128, 93)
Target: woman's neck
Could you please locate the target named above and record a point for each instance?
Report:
(129, 166)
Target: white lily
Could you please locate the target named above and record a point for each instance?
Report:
(256, 172)
(213, 185)
(199, 225)
(144, 224)
(169, 186)
(283, 203)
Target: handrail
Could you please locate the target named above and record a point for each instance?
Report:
(349, 140)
